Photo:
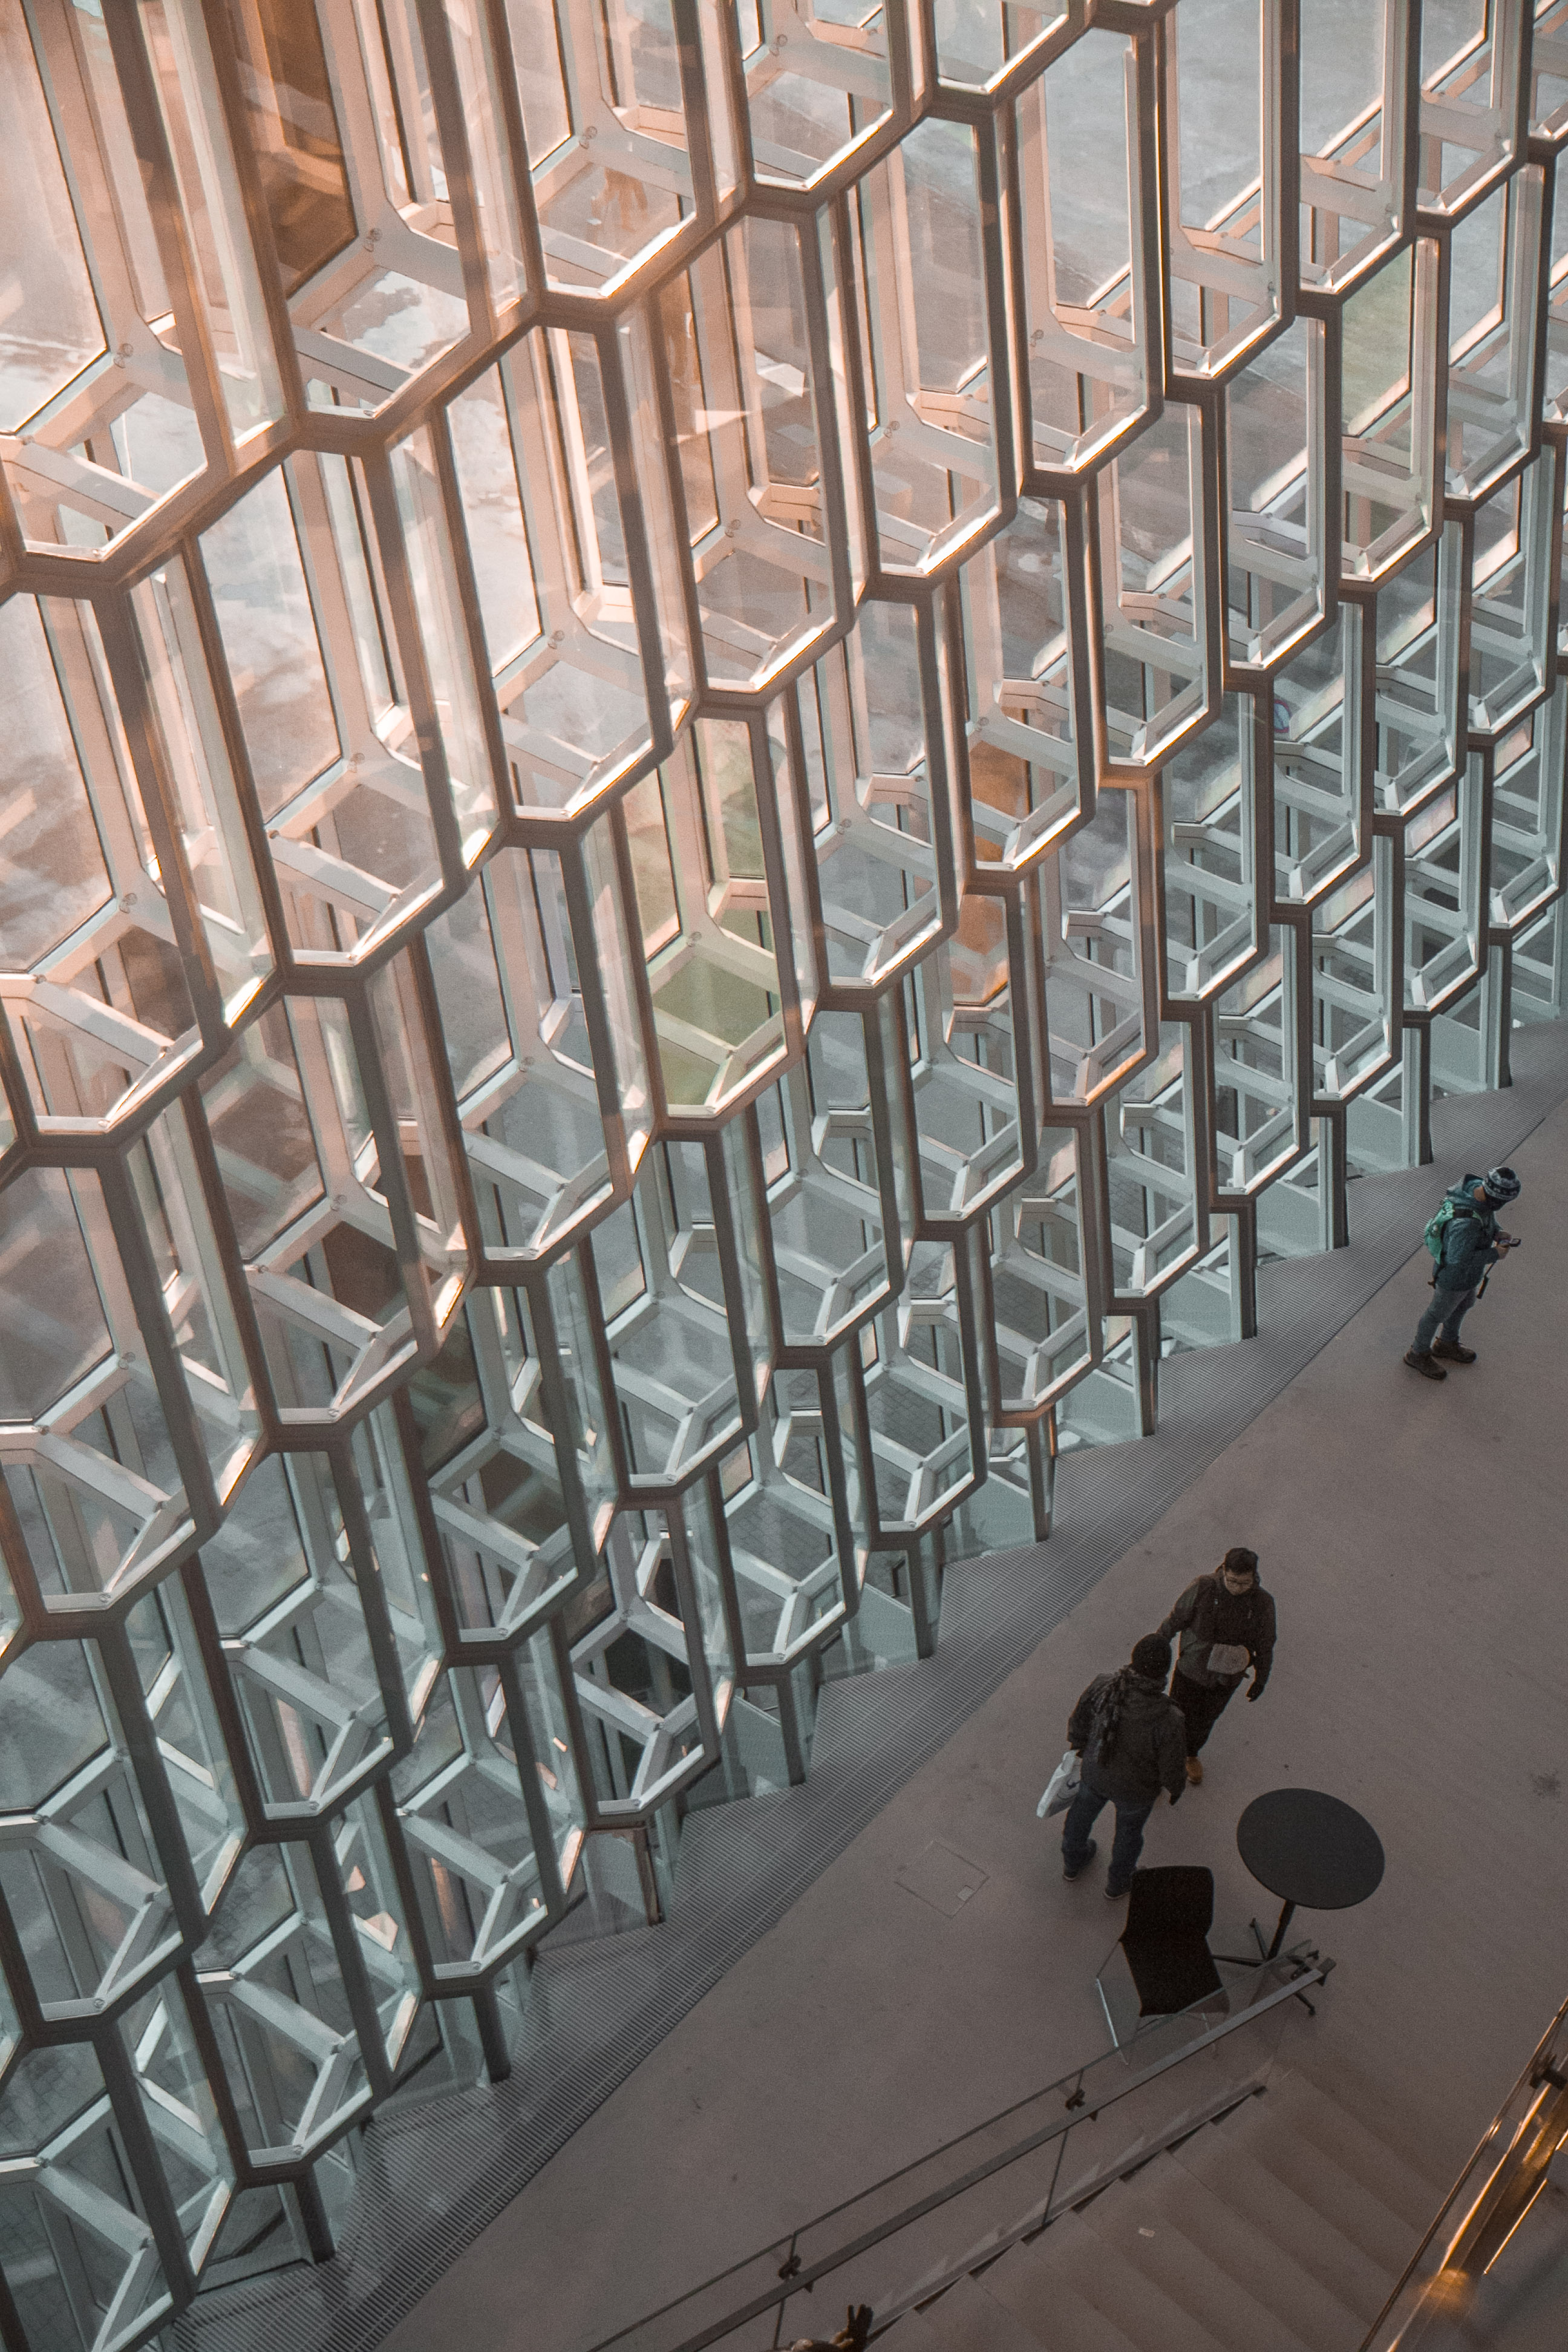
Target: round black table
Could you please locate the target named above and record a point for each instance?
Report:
(1309, 1848)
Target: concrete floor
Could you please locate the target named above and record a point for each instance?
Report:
(1413, 1537)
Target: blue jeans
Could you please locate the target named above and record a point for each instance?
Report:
(1081, 1815)
(1447, 1312)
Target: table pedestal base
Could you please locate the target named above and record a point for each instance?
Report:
(1268, 1952)
(1265, 1952)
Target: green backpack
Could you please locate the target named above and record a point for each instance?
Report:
(1437, 1227)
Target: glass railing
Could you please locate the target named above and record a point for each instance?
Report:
(1487, 2204)
(924, 2227)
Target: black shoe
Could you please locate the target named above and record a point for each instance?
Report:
(1452, 1353)
(1425, 1366)
(1116, 1894)
(1070, 1875)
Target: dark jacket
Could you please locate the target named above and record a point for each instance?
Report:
(1469, 1239)
(1207, 1614)
(1151, 1746)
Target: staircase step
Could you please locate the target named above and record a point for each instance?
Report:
(1138, 2237)
(1305, 2203)
(1039, 2291)
(1149, 2310)
(1385, 2089)
(1256, 2258)
(968, 2319)
(1319, 2124)
(914, 2333)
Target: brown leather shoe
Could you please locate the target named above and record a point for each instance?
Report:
(1452, 1353)
(1195, 1770)
(1425, 1366)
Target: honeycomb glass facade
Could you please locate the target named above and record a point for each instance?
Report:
(739, 736)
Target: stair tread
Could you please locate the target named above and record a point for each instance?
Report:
(1315, 2209)
(1102, 2265)
(1377, 2075)
(1256, 2256)
(1028, 2283)
(968, 2319)
(915, 2333)
(1142, 2239)
(1319, 2122)
(1069, 2256)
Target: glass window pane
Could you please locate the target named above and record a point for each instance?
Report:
(50, 326)
(294, 129)
(252, 560)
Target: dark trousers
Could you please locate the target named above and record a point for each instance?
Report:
(1202, 1704)
(1128, 1844)
(1444, 1315)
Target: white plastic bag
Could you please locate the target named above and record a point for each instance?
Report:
(1062, 1787)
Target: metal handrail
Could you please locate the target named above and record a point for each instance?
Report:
(1492, 2195)
(791, 2273)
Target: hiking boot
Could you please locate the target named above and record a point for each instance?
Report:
(1070, 1875)
(1452, 1353)
(1425, 1366)
(1195, 1770)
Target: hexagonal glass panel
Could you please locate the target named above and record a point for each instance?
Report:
(1031, 730)
(928, 418)
(1353, 132)
(817, 83)
(1091, 314)
(883, 854)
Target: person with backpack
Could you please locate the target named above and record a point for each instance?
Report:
(1466, 1243)
(1131, 1739)
(1226, 1623)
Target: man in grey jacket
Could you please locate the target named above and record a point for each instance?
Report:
(1226, 1623)
(1130, 1737)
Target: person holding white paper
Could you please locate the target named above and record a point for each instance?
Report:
(1226, 1624)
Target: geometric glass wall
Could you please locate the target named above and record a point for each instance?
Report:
(737, 742)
